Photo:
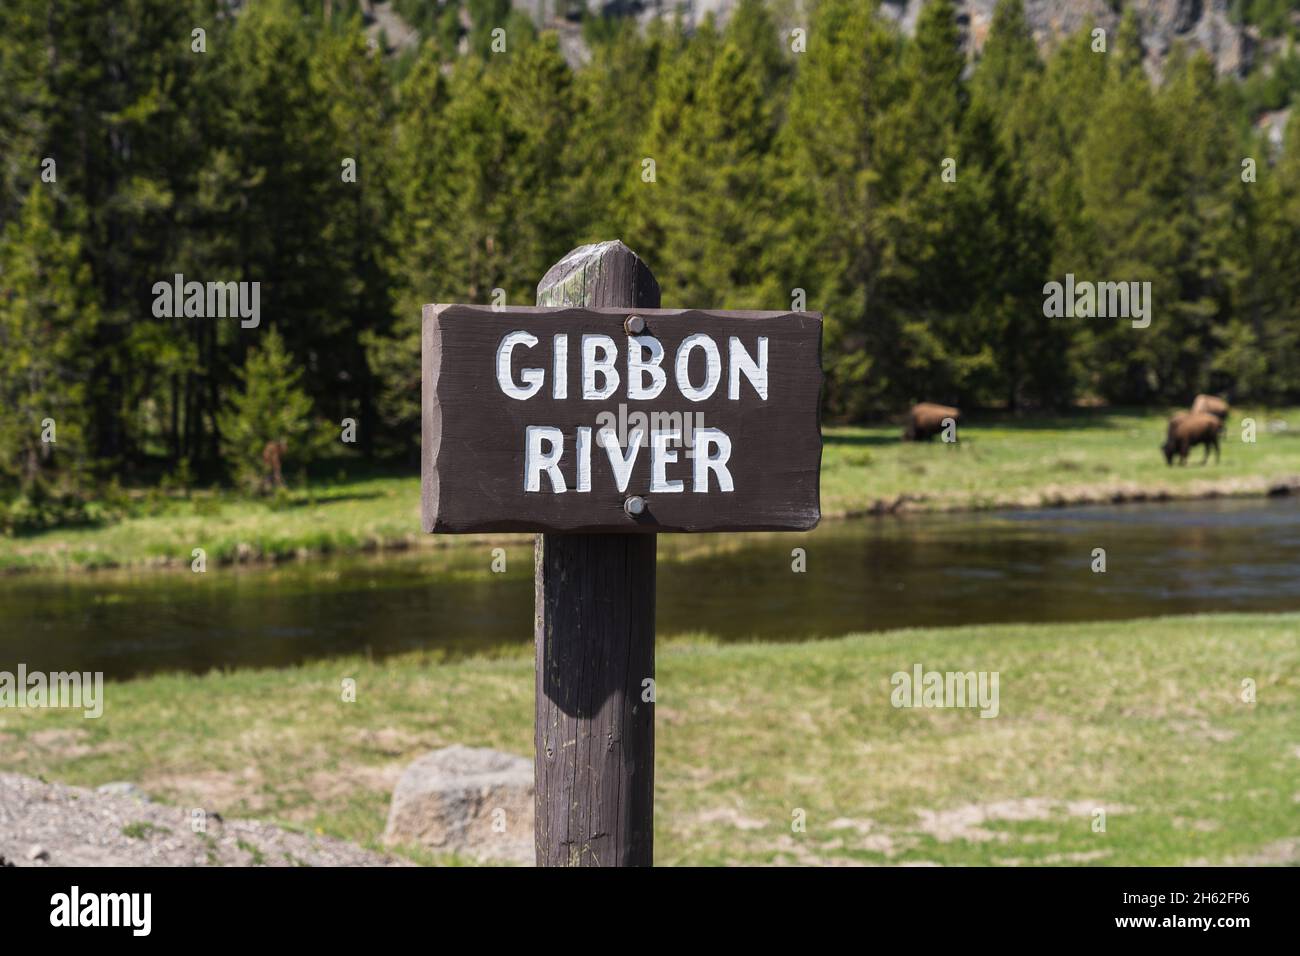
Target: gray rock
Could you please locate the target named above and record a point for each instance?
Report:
(470, 801)
(123, 788)
(1202, 24)
(71, 826)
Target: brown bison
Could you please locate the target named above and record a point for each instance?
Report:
(1211, 405)
(926, 420)
(272, 456)
(1188, 429)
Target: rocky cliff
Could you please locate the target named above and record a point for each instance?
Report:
(1202, 24)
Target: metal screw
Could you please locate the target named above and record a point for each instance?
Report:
(634, 506)
(634, 325)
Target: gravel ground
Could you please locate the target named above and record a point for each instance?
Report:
(48, 824)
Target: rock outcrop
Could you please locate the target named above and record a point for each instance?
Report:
(49, 824)
(469, 801)
(1202, 24)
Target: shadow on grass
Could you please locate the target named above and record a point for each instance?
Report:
(320, 498)
(1029, 420)
(1074, 419)
(859, 440)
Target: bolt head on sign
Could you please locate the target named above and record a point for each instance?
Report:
(555, 419)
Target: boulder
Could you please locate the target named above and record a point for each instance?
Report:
(471, 801)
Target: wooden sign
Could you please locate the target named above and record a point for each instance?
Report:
(620, 420)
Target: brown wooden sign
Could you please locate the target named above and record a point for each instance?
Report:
(620, 420)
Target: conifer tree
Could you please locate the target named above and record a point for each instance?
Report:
(1125, 175)
(353, 80)
(1009, 60)
(1011, 238)
(833, 244)
(613, 97)
(418, 254)
(47, 323)
(268, 417)
(684, 71)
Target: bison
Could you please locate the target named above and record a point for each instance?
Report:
(272, 456)
(927, 419)
(1211, 405)
(1187, 429)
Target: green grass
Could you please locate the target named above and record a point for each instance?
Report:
(329, 516)
(1141, 719)
(142, 830)
(258, 859)
(1099, 455)
(1089, 455)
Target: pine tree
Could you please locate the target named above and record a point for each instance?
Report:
(1009, 60)
(1009, 250)
(418, 255)
(274, 190)
(480, 159)
(711, 201)
(116, 102)
(1046, 129)
(613, 95)
(833, 244)
(1128, 52)
(47, 323)
(1258, 348)
(1125, 175)
(941, 343)
(354, 80)
(1282, 249)
(1009, 77)
(1206, 212)
(269, 416)
(660, 197)
(535, 90)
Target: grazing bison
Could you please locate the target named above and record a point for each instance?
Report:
(1187, 429)
(926, 420)
(272, 455)
(1211, 405)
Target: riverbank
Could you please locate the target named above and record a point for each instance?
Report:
(1088, 456)
(1143, 720)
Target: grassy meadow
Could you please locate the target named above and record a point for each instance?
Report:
(1088, 455)
(1142, 719)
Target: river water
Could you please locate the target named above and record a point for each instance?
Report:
(862, 575)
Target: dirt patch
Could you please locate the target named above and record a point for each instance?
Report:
(1202, 730)
(392, 742)
(801, 852)
(730, 817)
(61, 744)
(1285, 852)
(211, 789)
(55, 739)
(968, 822)
(328, 785)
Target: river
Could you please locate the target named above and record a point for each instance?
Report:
(862, 575)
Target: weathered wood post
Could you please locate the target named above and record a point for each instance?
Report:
(598, 420)
(595, 641)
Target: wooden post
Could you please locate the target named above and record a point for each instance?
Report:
(594, 737)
